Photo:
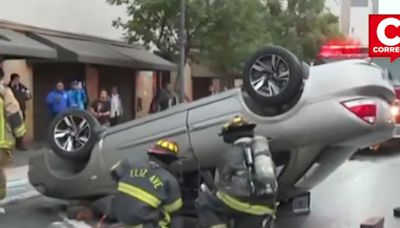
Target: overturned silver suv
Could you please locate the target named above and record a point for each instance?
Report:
(316, 118)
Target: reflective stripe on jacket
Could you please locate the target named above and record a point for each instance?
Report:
(146, 192)
(13, 112)
(244, 207)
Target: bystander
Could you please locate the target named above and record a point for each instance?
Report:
(167, 98)
(20, 91)
(77, 96)
(116, 106)
(57, 100)
(101, 108)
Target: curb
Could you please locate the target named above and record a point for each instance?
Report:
(15, 194)
(19, 198)
(17, 183)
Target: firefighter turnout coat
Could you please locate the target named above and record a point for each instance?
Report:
(147, 193)
(12, 111)
(234, 188)
(6, 144)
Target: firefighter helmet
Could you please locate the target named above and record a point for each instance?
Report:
(164, 147)
(237, 123)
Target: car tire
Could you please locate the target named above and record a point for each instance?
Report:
(73, 134)
(274, 76)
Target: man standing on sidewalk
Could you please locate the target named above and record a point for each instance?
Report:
(101, 108)
(116, 106)
(77, 96)
(21, 92)
(11, 126)
(57, 100)
(167, 98)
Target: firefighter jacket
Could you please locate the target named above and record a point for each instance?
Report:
(7, 140)
(12, 111)
(146, 192)
(234, 176)
(234, 185)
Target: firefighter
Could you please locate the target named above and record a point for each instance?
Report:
(148, 193)
(14, 116)
(245, 190)
(11, 126)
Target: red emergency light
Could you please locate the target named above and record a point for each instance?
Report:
(342, 49)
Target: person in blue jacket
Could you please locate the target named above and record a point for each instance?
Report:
(77, 96)
(57, 100)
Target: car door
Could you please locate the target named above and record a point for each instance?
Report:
(133, 138)
(206, 120)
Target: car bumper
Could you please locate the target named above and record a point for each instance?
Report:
(396, 131)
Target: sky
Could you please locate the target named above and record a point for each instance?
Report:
(389, 6)
(92, 17)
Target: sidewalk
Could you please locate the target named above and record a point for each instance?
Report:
(18, 186)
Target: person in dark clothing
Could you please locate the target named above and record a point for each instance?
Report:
(167, 98)
(148, 193)
(57, 100)
(246, 187)
(20, 91)
(154, 103)
(101, 108)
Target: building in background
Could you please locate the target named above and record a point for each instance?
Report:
(90, 17)
(375, 6)
(360, 9)
(345, 16)
(341, 9)
(42, 57)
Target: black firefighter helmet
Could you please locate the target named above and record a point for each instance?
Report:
(237, 127)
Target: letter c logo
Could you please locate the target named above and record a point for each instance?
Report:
(381, 31)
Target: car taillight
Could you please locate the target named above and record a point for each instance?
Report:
(363, 109)
(395, 110)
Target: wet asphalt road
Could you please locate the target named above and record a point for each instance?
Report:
(367, 186)
(34, 213)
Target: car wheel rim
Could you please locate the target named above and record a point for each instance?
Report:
(71, 133)
(269, 75)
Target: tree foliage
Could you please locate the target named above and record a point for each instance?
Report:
(302, 25)
(156, 22)
(236, 30)
(226, 32)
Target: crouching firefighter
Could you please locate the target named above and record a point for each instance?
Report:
(148, 193)
(11, 126)
(244, 194)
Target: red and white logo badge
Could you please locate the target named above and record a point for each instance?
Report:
(384, 36)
